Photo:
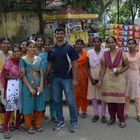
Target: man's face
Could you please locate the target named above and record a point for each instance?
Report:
(59, 35)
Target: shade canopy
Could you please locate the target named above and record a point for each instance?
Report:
(69, 17)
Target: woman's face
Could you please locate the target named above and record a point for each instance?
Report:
(79, 46)
(97, 43)
(17, 53)
(5, 45)
(132, 45)
(39, 42)
(32, 49)
(111, 43)
(47, 46)
(23, 46)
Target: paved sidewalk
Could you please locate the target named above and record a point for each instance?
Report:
(87, 130)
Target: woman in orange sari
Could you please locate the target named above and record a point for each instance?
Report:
(81, 89)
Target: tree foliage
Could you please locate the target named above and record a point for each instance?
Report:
(92, 6)
(127, 14)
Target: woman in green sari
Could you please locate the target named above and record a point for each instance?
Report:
(32, 101)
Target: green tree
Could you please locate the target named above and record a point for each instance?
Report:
(127, 11)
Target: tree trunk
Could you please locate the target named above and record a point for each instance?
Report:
(40, 16)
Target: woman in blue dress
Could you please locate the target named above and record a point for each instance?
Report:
(32, 98)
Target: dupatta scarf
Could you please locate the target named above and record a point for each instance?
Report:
(11, 67)
(116, 61)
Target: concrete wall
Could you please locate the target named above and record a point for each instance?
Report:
(18, 24)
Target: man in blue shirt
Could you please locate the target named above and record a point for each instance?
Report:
(62, 59)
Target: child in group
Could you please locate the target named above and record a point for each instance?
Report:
(11, 82)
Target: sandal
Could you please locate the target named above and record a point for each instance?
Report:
(31, 131)
(138, 118)
(6, 135)
(40, 129)
(95, 118)
(122, 125)
(103, 120)
(12, 127)
(84, 115)
(110, 122)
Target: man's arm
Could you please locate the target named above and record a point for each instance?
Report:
(74, 72)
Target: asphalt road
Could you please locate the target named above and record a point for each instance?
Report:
(87, 130)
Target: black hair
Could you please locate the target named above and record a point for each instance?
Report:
(5, 38)
(80, 40)
(40, 36)
(132, 39)
(59, 29)
(112, 38)
(97, 38)
(18, 47)
(24, 40)
(29, 42)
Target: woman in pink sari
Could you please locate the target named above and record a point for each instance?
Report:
(11, 80)
(113, 65)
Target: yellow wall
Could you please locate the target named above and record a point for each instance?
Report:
(18, 23)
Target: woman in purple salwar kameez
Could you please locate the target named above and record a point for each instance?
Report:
(113, 65)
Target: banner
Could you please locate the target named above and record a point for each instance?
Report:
(78, 35)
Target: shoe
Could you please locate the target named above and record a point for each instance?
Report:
(138, 118)
(110, 122)
(30, 131)
(59, 125)
(95, 118)
(12, 127)
(103, 120)
(6, 135)
(84, 115)
(39, 129)
(74, 128)
(54, 119)
(122, 125)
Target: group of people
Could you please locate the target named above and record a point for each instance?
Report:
(38, 71)
(111, 75)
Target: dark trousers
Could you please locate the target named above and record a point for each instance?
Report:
(116, 108)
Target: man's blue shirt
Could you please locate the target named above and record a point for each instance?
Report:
(61, 57)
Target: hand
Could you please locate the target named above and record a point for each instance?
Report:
(117, 72)
(99, 84)
(74, 83)
(40, 88)
(32, 91)
(93, 81)
(47, 82)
